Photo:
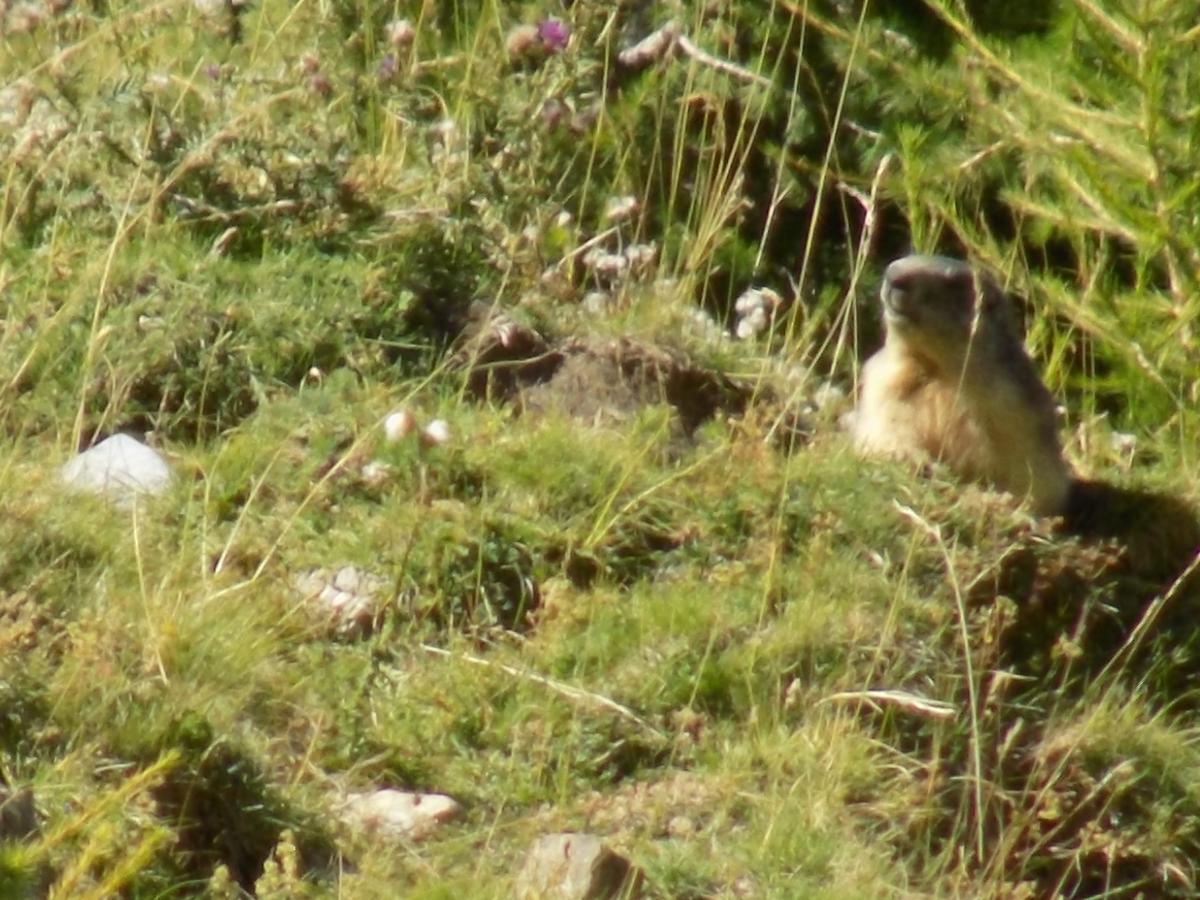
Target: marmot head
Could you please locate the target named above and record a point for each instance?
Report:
(943, 310)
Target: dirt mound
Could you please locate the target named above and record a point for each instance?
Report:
(592, 380)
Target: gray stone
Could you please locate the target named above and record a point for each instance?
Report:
(119, 467)
(681, 827)
(576, 867)
(18, 817)
(350, 599)
(398, 815)
(346, 579)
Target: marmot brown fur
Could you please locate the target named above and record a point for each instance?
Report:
(954, 383)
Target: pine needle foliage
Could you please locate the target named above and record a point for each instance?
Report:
(1059, 153)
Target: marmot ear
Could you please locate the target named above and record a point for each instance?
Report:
(996, 304)
(993, 298)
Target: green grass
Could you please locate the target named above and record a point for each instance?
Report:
(756, 673)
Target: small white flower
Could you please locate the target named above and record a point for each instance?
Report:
(604, 263)
(596, 302)
(401, 33)
(522, 41)
(376, 473)
(758, 298)
(1123, 443)
(755, 308)
(749, 300)
(751, 324)
(399, 425)
(436, 433)
(829, 396)
(445, 131)
(641, 256)
(701, 323)
(619, 209)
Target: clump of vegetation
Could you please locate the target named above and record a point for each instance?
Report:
(639, 585)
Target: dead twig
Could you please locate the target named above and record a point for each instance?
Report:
(912, 703)
(661, 43)
(569, 691)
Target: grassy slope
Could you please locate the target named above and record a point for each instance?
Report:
(178, 712)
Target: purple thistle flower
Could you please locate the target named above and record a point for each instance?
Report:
(554, 34)
(388, 67)
(553, 112)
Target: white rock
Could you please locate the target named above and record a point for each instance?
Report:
(354, 611)
(575, 867)
(347, 579)
(349, 599)
(119, 467)
(310, 584)
(398, 815)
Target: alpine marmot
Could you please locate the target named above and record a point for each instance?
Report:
(954, 383)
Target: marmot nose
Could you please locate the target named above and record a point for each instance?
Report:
(899, 276)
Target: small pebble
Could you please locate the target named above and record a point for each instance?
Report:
(399, 815)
